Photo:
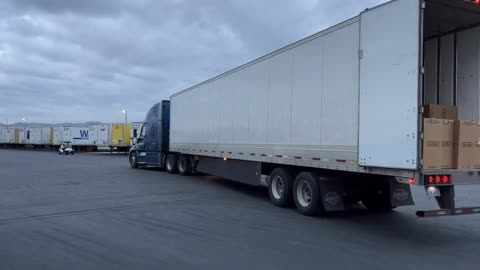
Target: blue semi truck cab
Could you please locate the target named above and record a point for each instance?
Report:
(152, 145)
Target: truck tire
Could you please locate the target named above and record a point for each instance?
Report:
(171, 163)
(306, 194)
(280, 187)
(133, 160)
(185, 165)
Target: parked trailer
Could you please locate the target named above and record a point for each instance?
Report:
(33, 136)
(83, 137)
(121, 137)
(7, 135)
(102, 139)
(333, 118)
(20, 135)
(46, 136)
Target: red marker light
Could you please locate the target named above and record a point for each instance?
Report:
(445, 178)
(411, 181)
(430, 180)
(438, 179)
(473, 1)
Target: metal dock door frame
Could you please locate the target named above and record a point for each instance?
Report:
(390, 39)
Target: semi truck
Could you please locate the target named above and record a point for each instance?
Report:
(335, 118)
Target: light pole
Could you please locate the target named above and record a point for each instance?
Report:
(25, 130)
(124, 130)
(125, 112)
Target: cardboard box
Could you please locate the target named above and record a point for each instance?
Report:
(438, 143)
(440, 112)
(467, 145)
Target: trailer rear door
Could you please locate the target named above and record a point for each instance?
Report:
(390, 41)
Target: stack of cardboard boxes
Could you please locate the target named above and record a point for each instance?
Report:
(449, 143)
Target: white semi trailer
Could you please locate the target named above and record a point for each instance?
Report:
(335, 117)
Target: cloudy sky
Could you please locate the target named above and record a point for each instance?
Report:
(76, 61)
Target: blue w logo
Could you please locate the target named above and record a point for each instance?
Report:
(84, 133)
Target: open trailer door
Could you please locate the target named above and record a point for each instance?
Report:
(390, 50)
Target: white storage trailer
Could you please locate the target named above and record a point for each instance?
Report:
(338, 113)
(8, 136)
(46, 136)
(33, 135)
(102, 138)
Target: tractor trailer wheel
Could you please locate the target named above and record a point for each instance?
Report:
(280, 187)
(185, 165)
(133, 160)
(306, 194)
(171, 163)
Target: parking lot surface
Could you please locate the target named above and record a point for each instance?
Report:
(92, 211)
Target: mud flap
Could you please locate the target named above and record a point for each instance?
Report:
(332, 194)
(400, 193)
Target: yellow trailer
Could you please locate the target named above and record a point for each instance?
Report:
(17, 136)
(121, 135)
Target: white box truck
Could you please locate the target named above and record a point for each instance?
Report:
(333, 118)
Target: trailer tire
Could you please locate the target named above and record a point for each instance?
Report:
(185, 165)
(306, 194)
(171, 163)
(133, 160)
(280, 187)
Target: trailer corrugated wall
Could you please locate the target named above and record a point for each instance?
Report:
(301, 102)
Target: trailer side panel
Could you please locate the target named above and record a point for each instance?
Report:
(301, 103)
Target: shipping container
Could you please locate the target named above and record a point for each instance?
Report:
(335, 117)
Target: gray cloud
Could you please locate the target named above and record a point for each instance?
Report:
(87, 60)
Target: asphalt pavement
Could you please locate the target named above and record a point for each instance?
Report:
(92, 211)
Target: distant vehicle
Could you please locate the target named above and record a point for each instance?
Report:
(66, 148)
(334, 118)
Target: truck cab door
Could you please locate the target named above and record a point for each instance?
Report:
(153, 148)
